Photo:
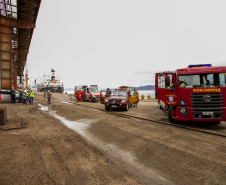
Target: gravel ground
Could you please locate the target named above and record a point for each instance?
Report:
(63, 143)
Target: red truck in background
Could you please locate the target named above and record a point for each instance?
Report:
(91, 93)
(195, 93)
(121, 98)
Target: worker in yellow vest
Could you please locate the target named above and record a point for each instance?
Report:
(28, 96)
(32, 94)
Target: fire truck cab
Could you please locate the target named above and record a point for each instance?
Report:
(195, 93)
(92, 92)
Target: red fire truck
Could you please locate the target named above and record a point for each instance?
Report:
(195, 93)
(92, 92)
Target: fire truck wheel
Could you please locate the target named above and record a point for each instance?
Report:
(160, 107)
(171, 119)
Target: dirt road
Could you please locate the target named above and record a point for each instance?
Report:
(63, 143)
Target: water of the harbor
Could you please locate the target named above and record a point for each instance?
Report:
(141, 92)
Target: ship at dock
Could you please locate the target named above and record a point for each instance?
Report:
(50, 82)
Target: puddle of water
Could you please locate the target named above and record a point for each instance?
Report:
(64, 101)
(80, 126)
(44, 108)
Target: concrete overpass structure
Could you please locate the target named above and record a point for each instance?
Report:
(17, 23)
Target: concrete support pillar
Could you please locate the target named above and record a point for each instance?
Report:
(7, 70)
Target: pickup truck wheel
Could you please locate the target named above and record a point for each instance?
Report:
(17, 100)
(107, 107)
(127, 107)
(90, 100)
(216, 122)
(171, 119)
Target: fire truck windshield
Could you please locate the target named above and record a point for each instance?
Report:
(94, 90)
(203, 80)
(119, 93)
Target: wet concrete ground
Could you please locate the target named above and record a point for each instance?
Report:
(78, 145)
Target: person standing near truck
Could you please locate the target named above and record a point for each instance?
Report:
(82, 94)
(108, 92)
(24, 97)
(21, 96)
(136, 100)
(13, 95)
(76, 95)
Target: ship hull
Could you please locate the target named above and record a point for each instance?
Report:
(52, 89)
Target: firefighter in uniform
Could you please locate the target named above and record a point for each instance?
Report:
(136, 94)
(82, 94)
(76, 95)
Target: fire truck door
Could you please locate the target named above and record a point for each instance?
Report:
(164, 90)
(102, 96)
(86, 95)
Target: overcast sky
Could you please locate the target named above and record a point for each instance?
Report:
(124, 42)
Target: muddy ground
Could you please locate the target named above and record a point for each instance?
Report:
(64, 143)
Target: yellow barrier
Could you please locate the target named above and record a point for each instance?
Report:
(142, 97)
(149, 97)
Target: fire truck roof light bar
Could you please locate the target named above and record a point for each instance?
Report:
(200, 65)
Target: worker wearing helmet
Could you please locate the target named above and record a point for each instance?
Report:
(28, 96)
(24, 96)
(32, 94)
